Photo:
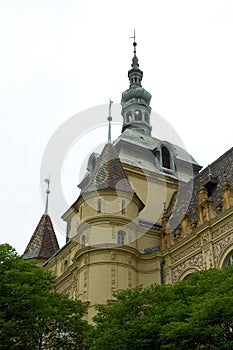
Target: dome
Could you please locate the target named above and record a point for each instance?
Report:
(136, 93)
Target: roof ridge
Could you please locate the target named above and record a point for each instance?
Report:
(219, 158)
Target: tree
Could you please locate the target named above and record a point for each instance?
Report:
(32, 316)
(193, 314)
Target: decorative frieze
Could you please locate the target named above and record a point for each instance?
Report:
(113, 278)
(208, 258)
(113, 256)
(85, 274)
(204, 238)
(74, 289)
(221, 245)
(195, 261)
(186, 252)
(223, 229)
(65, 286)
(167, 277)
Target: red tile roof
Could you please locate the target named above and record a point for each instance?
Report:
(108, 173)
(43, 243)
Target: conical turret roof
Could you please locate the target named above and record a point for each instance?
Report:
(43, 243)
(108, 173)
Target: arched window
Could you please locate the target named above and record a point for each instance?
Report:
(121, 237)
(138, 115)
(166, 158)
(229, 260)
(128, 117)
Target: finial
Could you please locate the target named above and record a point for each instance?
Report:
(134, 42)
(109, 120)
(47, 180)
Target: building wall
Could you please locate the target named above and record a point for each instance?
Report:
(93, 274)
(208, 246)
(93, 270)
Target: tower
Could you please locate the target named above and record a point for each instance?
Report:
(114, 227)
(135, 101)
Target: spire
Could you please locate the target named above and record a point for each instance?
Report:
(109, 121)
(134, 41)
(47, 180)
(43, 243)
(135, 74)
(135, 101)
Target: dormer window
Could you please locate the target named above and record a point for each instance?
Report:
(211, 183)
(166, 159)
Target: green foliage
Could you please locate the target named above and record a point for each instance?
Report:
(31, 315)
(193, 314)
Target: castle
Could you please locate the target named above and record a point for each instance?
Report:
(146, 213)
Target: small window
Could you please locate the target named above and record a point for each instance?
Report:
(138, 115)
(166, 158)
(65, 265)
(121, 237)
(128, 117)
(99, 206)
(123, 206)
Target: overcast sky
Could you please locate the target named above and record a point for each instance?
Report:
(60, 57)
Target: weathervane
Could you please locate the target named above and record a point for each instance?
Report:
(109, 120)
(47, 180)
(134, 42)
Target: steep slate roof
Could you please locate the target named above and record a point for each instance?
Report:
(43, 243)
(212, 178)
(108, 173)
(150, 143)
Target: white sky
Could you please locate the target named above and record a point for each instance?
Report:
(61, 57)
